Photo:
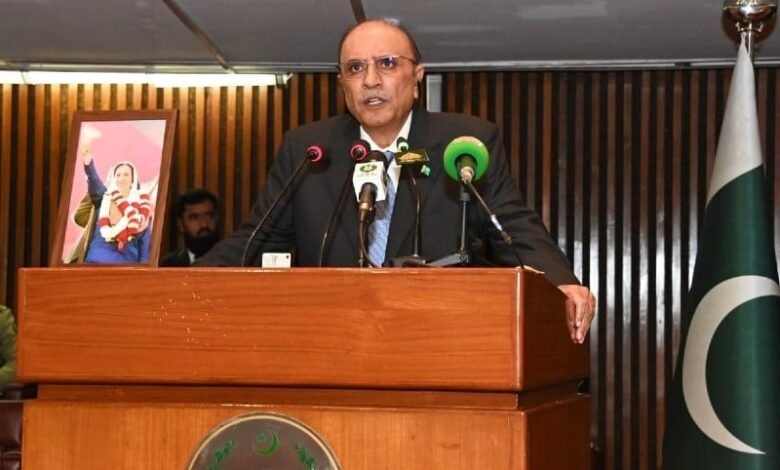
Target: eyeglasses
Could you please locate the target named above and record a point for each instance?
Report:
(385, 65)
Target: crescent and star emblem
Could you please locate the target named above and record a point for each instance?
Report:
(713, 308)
(261, 438)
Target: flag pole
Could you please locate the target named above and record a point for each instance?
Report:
(749, 17)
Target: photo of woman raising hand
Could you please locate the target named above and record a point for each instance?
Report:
(117, 226)
(113, 195)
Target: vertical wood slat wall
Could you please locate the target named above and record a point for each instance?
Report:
(225, 142)
(616, 163)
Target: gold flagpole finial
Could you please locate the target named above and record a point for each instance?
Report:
(750, 17)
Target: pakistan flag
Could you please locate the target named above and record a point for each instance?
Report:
(724, 407)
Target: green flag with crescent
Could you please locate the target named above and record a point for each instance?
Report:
(723, 411)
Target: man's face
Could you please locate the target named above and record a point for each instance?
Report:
(380, 102)
(199, 220)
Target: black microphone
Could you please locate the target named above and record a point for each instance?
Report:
(414, 259)
(357, 152)
(314, 154)
(370, 182)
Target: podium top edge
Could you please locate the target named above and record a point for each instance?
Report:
(234, 269)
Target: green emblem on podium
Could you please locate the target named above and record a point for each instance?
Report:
(263, 440)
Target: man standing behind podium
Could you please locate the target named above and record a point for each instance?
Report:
(380, 73)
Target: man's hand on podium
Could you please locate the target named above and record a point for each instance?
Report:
(580, 310)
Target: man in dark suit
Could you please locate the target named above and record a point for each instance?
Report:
(380, 73)
(196, 219)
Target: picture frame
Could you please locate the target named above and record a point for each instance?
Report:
(114, 188)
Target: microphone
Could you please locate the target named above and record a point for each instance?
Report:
(357, 152)
(314, 154)
(370, 182)
(466, 159)
(415, 259)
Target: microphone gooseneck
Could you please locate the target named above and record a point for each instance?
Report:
(363, 258)
(314, 154)
(490, 213)
(334, 213)
(358, 151)
(403, 146)
(370, 182)
(466, 160)
(494, 220)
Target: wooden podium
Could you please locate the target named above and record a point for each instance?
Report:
(428, 368)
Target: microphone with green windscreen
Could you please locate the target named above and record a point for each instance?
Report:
(466, 159)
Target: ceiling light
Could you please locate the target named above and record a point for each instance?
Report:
(203, 79)
(161, 80)
(37, 77)
(11, 76)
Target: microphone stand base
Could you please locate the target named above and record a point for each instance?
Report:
(410, 261)
(455, 259)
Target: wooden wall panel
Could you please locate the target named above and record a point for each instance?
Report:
(616, 163)
(226, 139)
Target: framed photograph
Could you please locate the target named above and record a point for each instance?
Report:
(114, 188)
